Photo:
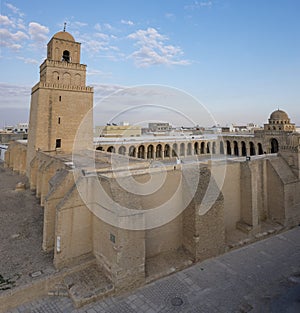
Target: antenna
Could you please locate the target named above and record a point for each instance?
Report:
(65, 25)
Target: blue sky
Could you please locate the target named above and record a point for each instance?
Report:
(239, 58)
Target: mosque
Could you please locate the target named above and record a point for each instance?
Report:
(107, 203)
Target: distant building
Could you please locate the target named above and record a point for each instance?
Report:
(21, 128)
(121, 130)
(159, 127)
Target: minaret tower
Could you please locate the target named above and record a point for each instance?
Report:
(60, 100)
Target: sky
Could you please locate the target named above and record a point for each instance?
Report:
(237, 60)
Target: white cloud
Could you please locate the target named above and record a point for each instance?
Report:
(98, 27)
(154, 51)
(170, 16)
(28, 60)
(108, 26)
(5, 21)
(14, 9)
(102, 36)
(199, 4)
(38, 32)
(130, 23)
(78, 24)
(12, 40)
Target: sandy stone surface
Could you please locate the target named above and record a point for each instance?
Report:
(21, 224)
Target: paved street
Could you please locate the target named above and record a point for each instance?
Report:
(262, 277)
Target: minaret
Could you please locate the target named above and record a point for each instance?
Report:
(60, 100)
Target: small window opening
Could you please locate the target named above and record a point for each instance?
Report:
(66, 56)
(59, 120)
(59, 98)
(112, 238)
(58, 143)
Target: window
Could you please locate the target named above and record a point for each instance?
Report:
(58, 143)
(59, 98)
(66, 56)
(59, 120)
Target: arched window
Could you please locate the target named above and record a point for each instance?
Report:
(202, 147)
(208, 147)
(132, 151)
(167, 151)
(228, 147)
(158, 153)
(111, 149)
(214, 147)
(196, 148)
(252, 148)
(141, 152)
(221, 147)
(274, 145)
(150, 151)
(182, 148)
(244, 149)
(259, 148)
(122, 150)
(235, 148)
(66, 56)
(174, 150)
(99, 148)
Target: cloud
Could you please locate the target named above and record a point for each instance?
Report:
(153, 49)
(28, 60)
(170, 16)
(14, 9)
(198, 5)
(5, 21)
(130, 23)
(12, 40)
(38, 32)
(94, 72)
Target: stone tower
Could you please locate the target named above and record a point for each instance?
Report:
(60, 101)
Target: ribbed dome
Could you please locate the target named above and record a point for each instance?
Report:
(64, 36)
(279, 115)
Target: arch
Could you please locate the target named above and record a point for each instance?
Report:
(214, 147)
(174, 150)
(208, 147)
(182, 149)
(228, 147)
(274, 145)
(66, 78)
(122, 150)
(202, 147)
(196, 148)
(100, 148)
(260, 148)
(252, 148)
(141, 152)
(66, 56)
(150, 152)
(221, 147)
(158, 153)
(167, 153)
(189, 149)
(132, 151)
(111, 149)
(77, 81)
(235, 148)
(55, 76)
(244, 149)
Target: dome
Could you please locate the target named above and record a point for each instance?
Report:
(64, 36)
(279, 115)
